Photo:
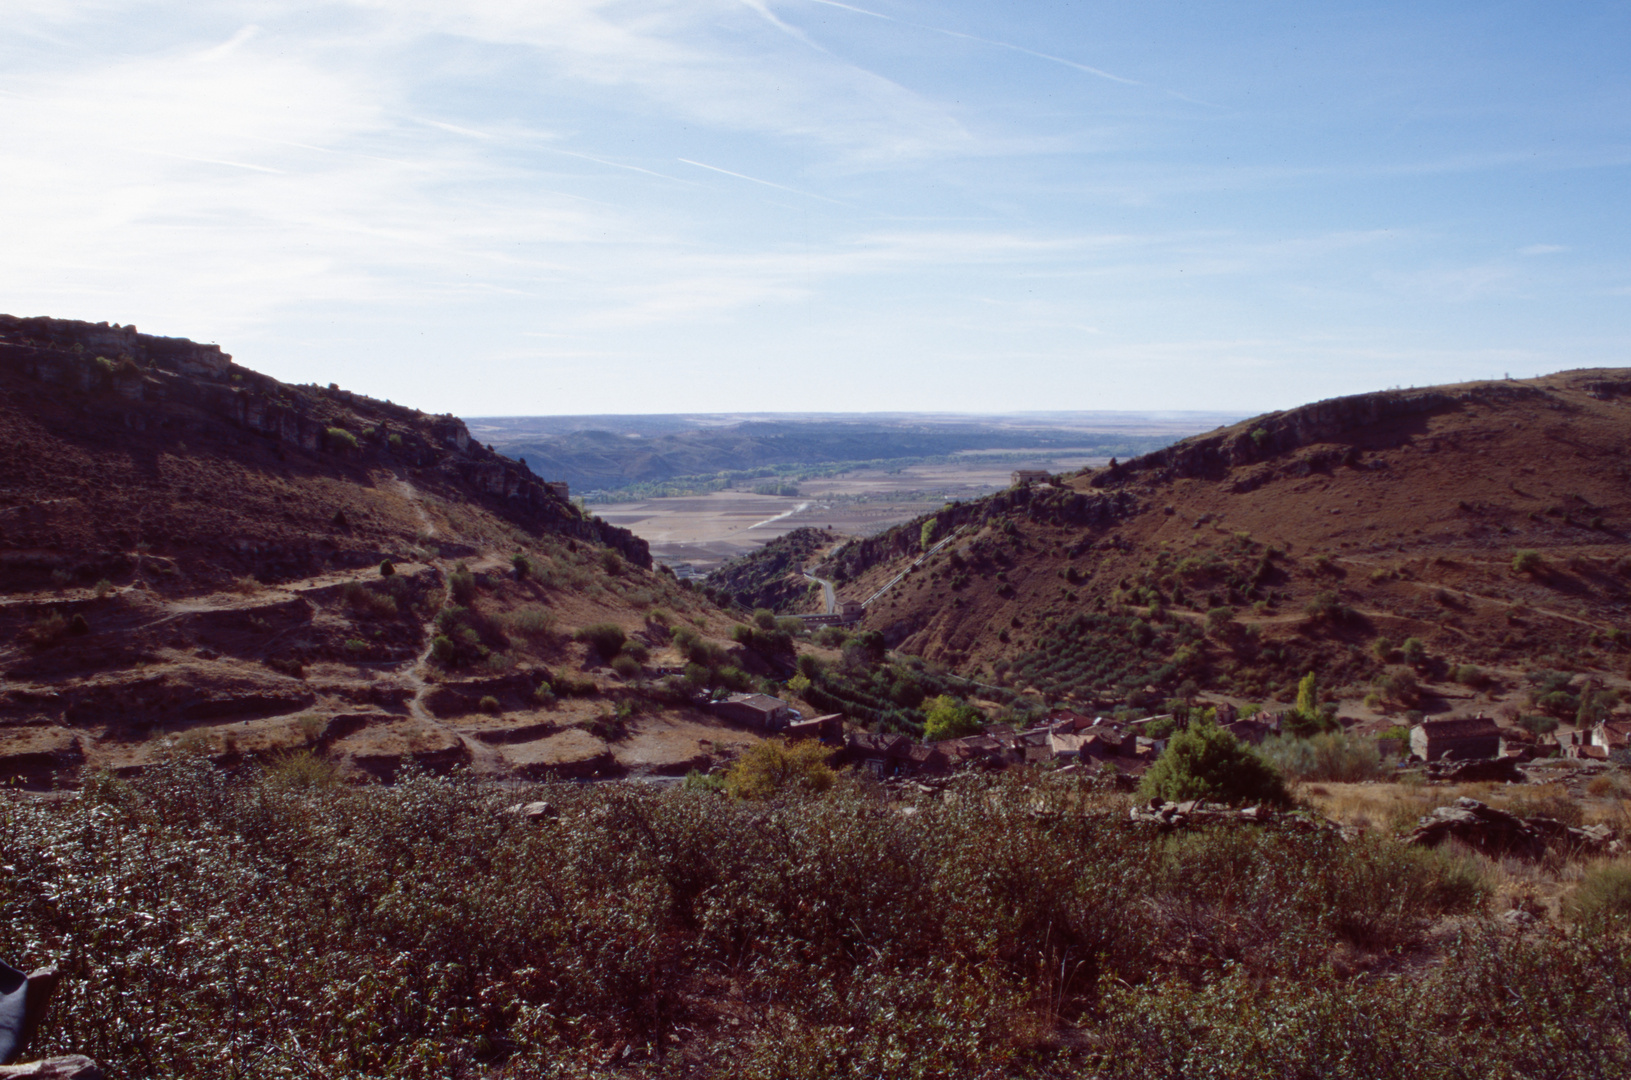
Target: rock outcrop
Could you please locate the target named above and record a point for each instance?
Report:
(1497, 833)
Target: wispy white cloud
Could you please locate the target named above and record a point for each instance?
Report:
(756, 180)
(680, 188)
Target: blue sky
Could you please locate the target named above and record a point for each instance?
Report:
(568, 206)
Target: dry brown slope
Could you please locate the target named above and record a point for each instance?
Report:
(190, 550)
(1406, 509)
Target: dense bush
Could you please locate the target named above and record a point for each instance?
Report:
(1205, 762)
(341, 439)
(604, 638)
(947, 718)
(278, 924)
(774, 767)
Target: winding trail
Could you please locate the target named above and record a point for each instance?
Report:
(483, 758)
(830, 597)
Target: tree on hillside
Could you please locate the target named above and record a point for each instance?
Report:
(947, 718)
(1308, 717)
(1206, 762)
(926, 537)
(774, 767)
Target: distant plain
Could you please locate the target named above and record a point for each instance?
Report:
(700, 532)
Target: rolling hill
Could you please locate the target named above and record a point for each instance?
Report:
(1392, 542)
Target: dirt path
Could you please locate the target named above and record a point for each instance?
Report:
(411, 493)
(484, 758)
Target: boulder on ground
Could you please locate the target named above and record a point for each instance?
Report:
(1496, 832)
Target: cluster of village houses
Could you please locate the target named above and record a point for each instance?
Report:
(1070, 739)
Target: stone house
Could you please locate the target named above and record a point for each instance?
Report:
(759, 711)
(1067, 746)
(1094, 744)
(880, 753)
(1465, 738)
(973, 750)
(1023, 477)
(1612, 735)
(827, 729)
(923, 760)
(1068, 720)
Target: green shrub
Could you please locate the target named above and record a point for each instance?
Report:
(831, 637)
(356, 646)
(1528, 561)
(102, 588)
(946, 717)
(1539, 725)
(1400, 685)
(1473, 676)
(341, 439)
(1413, 651)
(461, 586)
(604, 638)
(1206, 762)
(774, 767)
(534, 622)
(1220, 620)
(1327, 606)
(366, 602)
(611, 562)
(490, 704)
(627, 667)
(301, 770)
(387, 568)
(46, 630)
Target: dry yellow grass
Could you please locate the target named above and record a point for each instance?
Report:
(1393, 808)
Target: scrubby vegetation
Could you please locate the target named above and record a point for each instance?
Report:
(770, 577)
(276, 924)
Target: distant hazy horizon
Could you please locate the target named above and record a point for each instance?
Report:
(653, 423)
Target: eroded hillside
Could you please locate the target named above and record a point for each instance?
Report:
(191, 551)
(1479, 525)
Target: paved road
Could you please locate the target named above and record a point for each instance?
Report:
(826, 592)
